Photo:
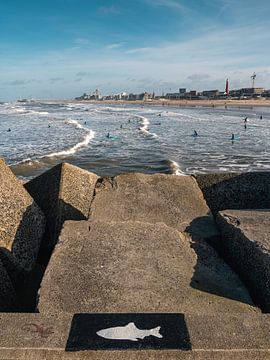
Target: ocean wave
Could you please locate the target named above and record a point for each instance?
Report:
(71, 151)
(144, 126)
(175, 168)
(74, 122)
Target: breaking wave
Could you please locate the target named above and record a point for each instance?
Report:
(144, 122)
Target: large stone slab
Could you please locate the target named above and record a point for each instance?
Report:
(137, 267)
(22, 223)
(64, 192)
(235, 190)
(246, 245)
(175, 200)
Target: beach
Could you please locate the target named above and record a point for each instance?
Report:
(262, 102)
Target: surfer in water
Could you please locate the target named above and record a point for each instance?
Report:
(245, 119)
(85, 123)
(232, 138)
(261, 117)
(121, 126)
(108, 135)
(195, 133)
(9, 129)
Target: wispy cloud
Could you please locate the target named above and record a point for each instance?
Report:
(21, 82)
(55, 80)
(198, 77)
(114, 46)
(81, 41)
(107, 10)
(141, 50)
(171, 4)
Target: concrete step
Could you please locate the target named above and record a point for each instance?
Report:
(212, 337)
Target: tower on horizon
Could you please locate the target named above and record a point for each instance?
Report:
(253, 77)
(227, 87)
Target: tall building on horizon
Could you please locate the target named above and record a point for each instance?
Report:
(227, 87)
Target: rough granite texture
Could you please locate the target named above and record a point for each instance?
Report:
(175, 200)
(246, 244)
(22, 223)
(137, 267)
(64, 192)
(235, 190)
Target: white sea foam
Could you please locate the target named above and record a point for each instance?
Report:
(90, 134)
(75, 122)
(144, 126)
(176, 170)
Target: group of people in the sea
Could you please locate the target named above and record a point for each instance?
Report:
(195, 133)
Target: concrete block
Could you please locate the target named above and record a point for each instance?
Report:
(22, 224)
(137, 267)
(175, 200)
(246, 246)
(64, 192)
(235, 190)
(8, 298)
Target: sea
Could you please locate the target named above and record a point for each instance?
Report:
(113, 139)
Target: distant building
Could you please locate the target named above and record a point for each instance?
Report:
(210, 94)
(266, 93)
(246, 92)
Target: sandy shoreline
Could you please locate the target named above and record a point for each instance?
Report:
(200, 103)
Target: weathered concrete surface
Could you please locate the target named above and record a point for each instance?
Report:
(137, 267)
(213, 337)
(8, 298)
(246, 244)
(235, 190)
(175, 200)
(64, 192)
(22, 223)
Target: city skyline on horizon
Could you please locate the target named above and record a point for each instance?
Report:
(61, 48)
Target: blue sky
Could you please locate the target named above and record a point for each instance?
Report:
(62, 48)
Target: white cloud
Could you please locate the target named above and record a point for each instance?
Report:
(171, 4)
(114, 46)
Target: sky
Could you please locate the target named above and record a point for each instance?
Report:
(63, 48)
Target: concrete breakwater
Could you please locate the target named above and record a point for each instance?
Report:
(75, 243)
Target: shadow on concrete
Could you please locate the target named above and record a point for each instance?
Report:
(54, 225)
(223, 191)
(212, 274)
(27, 283)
